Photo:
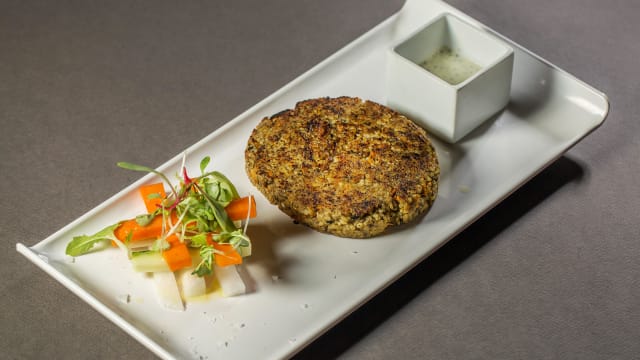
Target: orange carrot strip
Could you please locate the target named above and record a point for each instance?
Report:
(229, 255)
(157, 190)
(238, 209)
(137, 231)
(177, 256)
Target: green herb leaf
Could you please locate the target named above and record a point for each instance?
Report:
(219, 187)
(136, 167)
(217, 210)
(221, 216)
(203, 163)
(145, 219)
(199, 240)
(206, 265)
(236, 238)
(85, 243)
(160, 244)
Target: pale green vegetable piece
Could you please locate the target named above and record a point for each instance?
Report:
(149, 261)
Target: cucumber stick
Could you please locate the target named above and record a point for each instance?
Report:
(148, 261)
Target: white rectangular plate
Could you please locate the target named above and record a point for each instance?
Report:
(305, 282)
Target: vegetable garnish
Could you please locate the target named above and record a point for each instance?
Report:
(203, 213)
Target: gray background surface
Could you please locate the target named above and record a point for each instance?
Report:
(552, 272)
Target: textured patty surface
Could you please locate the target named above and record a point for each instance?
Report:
(344, 166)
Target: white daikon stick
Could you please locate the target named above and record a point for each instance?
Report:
(167, 290)
(192, 285)
(229, 280)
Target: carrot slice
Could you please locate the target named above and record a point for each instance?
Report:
(239, 208)
(228, 255)
(152, 195)
(131, 230)
(177, 256)
(138, 232)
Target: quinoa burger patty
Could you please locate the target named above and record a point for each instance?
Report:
(344, 166)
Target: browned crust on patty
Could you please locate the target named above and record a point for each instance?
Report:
(344, 166)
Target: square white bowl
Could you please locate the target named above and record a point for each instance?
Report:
(449, 111)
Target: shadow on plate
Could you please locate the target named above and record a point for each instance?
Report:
(376, 311)
(265, 256)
